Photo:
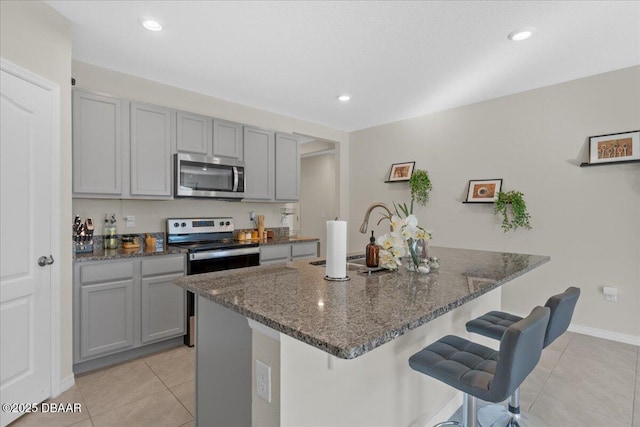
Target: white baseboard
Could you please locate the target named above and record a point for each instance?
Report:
(67, 383)
(447, 412)
(602, 333)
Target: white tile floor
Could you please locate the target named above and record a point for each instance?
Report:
(580, 381)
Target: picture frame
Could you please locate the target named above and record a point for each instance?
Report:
(615, 147)
(401, 171)
(483, 190)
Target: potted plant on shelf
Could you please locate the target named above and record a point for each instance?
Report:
(512, 207)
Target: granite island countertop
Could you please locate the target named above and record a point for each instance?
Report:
(348, 319)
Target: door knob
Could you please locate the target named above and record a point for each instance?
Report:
(43, 260)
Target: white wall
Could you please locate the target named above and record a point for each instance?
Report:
(149, 215)
(586, 219)
(317, 196)
(38, 38)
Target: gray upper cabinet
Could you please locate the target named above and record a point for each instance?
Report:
(227, 139)
(287, 167)
(193, 133)
(150, 151)
(97, 145)
(259, 158)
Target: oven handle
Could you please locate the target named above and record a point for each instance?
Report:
(224, 253)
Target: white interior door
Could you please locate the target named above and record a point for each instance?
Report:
(27, 132)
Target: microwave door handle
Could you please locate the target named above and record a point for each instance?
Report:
(235, 179)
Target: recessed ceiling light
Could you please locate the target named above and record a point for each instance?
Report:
(521, 34)
(151, 25)
(344, 98)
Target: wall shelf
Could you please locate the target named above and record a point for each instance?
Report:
(478, 203)
(582, 165)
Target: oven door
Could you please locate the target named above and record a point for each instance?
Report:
(206, 262)
(203, 262)
(203, 176)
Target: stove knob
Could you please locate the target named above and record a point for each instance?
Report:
(221, 223)
(228, 223)
(175, 224)
(184, 224)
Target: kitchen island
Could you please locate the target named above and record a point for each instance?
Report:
(303, 325)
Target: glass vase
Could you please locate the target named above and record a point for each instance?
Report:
(416, 255)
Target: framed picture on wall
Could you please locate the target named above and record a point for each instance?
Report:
(401, 171)
(616, 147)
(483, 190)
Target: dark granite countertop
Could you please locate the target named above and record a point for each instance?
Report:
(285, 240)
(348, 319)
(121, 253)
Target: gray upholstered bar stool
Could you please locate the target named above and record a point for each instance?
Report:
(481, 372)
(493, 325)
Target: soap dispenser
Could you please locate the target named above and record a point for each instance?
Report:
(371, 251)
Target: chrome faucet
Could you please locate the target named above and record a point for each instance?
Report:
(365, 222)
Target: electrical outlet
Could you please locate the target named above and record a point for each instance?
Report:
(252, 215)
(263, 381)
(129, 221)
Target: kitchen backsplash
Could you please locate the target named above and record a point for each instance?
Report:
(150, 215)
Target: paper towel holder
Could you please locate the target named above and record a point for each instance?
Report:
(337, 279)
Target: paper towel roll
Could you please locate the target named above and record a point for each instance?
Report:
(336, 249)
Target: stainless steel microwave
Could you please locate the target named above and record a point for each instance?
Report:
(204, 176)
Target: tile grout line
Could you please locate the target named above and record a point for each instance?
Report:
(550, 373)
(171, 391)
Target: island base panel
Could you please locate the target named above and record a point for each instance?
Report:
(223, 366)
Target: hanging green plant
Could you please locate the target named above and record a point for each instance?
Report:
(420, 186)
(512, 207)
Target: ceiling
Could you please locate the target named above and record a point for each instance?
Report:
(397, 59)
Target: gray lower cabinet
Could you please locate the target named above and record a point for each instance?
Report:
(125, 304)
(271, 254)
(106, 318)
(163, 308)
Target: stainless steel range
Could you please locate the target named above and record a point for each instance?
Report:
(211, 247)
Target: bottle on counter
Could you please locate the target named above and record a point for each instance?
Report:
(110, 232)
(371, 252)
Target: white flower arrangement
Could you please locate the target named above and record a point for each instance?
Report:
(395, 244)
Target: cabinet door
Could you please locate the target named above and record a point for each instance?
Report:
(275, 253)
(287, 167)
(193, 133)
(304, 250)
(97, 145)
(151, 139)
(106, 318)
(259, 161)
(227, 139)
(163, 308)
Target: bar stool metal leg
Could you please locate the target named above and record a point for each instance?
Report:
(510, 416)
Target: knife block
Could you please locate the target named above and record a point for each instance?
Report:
(83, 247)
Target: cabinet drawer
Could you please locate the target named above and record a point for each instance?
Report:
(106, 271)
(162, 265)
(304, 250)
(275, 253)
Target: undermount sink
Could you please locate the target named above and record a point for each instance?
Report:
(356, 263)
